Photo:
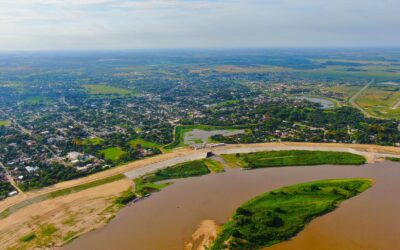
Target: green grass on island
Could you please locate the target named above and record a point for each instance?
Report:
(292, 158)
(149, 183)
(102, 89)
(214, 166)
(396, 159)
(279, 215)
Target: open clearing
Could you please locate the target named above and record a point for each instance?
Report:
(101, 89)
(113, 154)
(5, 123)
(197, 136)
(380, 101)
(144, 144)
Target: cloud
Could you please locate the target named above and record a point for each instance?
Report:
(121, 24)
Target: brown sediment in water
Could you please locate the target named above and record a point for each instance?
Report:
(168, 219)
(204, 235)
(371, 152)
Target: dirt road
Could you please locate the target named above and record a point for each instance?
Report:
(354, 103)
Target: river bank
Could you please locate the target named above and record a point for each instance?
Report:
(173, 215)
(24, 215)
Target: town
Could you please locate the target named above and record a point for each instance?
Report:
(68, 118)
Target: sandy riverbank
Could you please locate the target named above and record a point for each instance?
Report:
(70, 215)
(372, 152)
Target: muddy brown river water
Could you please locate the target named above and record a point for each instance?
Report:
(167, 219)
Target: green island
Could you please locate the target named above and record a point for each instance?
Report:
(279, 215)
(150, 182)
(292, 158)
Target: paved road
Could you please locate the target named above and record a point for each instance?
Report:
(10, 179)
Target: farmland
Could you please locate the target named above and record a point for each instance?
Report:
(381, 101)
(101, 89)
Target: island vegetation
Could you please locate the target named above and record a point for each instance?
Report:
(280, 214)
(151, 182)
(292, 158)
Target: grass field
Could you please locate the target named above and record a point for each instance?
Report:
(101, 89)
(346, 90)
(292, 158)
(250, 69)
(5, 123)
(214, 166)
(280, 214)
(113, 154)
(38, 100)
(144, 144)
(93, 141)
(380, 101)
(148, 183)
(342, 73)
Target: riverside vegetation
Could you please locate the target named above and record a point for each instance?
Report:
(292, 158)
(150, 182)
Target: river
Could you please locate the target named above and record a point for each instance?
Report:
(167, 219)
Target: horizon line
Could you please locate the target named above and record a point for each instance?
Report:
(200, 49)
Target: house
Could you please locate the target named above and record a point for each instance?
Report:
(73, 156)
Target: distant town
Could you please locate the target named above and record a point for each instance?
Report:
(64, 117)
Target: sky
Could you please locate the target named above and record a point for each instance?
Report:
(138, 24)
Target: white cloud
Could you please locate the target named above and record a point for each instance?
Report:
(118, 24)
